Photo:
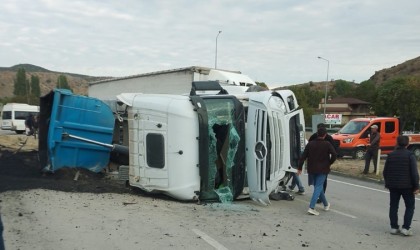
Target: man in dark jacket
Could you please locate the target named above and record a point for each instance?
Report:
(402, 179)
(330, 140)
(320, 154)
(372, 149)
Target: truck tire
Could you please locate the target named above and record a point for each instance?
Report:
(359, 153)
(416, 152)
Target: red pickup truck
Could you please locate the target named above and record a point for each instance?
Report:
(353, 138)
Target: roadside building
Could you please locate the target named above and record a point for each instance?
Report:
(349, 108)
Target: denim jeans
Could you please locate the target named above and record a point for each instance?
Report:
(296, 181)
(319, 180)
(409, 200)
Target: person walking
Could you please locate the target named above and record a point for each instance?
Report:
(330, 140)
(296, 181)
(402, 179)
(319, 154)
(372, 149)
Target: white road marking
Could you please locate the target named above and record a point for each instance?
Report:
(360, 186)
(348, 215)
(209, 239)
(333, 210)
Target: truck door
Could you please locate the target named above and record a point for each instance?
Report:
(296, 134)
(389, 133)
(153, 127)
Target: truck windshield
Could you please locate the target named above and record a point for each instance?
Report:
(224, 140)
(353, 127)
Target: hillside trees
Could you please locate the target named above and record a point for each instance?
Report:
(399, 97)
(25, 91)
(35, 88)
(343, 88)
(307, 99)
(365, 91)
(20, 86)
(62, 82)
(262, 84)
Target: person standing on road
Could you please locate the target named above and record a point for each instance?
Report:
(372, 149)
(330, 140)
(296, 181)
(29, 124)
(320, 154)
(402, 179)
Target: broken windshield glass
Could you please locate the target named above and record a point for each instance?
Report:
(223, 145)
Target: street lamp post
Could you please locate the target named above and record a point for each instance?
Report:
(215, 60)
(326, 83)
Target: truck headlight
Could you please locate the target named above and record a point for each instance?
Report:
(348, 140)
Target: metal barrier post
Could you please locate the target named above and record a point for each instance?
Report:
(378, 161)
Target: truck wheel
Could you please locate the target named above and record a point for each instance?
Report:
(359, 153)
(416, 152)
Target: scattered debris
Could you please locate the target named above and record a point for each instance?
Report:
(129, 203)
(282, 196)
(76, 177)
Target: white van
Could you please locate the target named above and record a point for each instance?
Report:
(13, 116)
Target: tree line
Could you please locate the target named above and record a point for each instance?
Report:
(28, 90)
(397, 97)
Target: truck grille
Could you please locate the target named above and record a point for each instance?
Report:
(261, 149)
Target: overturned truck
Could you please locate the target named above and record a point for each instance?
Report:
(205, 146)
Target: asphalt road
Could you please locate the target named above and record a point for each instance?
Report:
(63, 220)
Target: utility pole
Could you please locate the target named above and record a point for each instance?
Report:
(215, 60)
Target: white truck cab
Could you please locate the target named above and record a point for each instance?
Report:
(195, 147)
(188, 147)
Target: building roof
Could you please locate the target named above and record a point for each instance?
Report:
(345, 100)
(337, 110)
(197, 69)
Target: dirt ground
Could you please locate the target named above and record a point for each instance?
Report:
(20, 170)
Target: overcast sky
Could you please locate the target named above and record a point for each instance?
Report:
(276, 41)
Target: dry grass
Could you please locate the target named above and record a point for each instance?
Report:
(355, 168)
(22, 142)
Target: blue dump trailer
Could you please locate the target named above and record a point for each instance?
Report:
(74, 131)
